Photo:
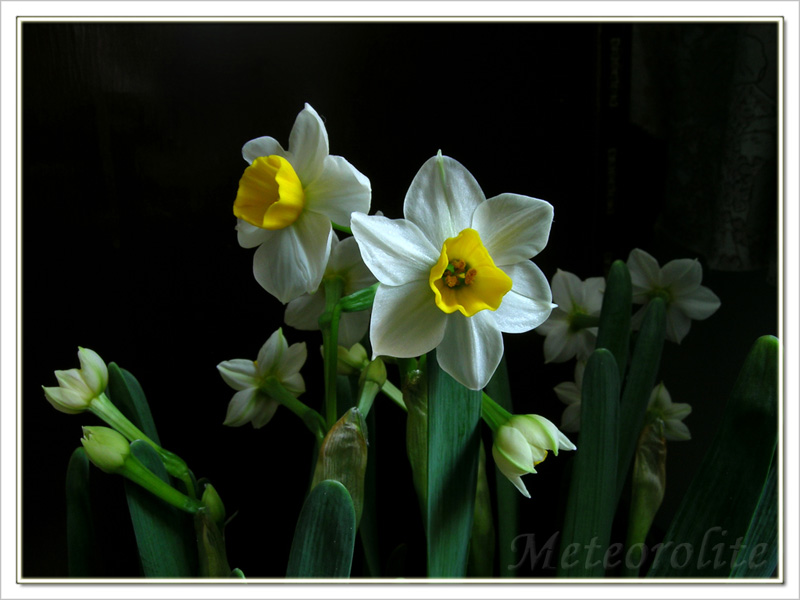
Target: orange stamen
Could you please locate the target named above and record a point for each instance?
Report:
(450, 280)
(470, 277)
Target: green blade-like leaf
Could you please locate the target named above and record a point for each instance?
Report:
(639, 385)
(325, 535)
(454, 413)
(614, 331)
(80, 525)
(163, 533)
(760, 547)
(592, 497)
(128, 396)
(718, 506)
(481, 546)
(415, 396)
(507, 496)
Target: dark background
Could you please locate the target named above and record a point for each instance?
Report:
(658, 136)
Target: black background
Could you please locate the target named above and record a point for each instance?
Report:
(131, 147)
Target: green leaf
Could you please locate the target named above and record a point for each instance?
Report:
(639, 385)
(592, 496)
(760, 545)
(80, 525)
(454, 414)
(507, 496)
(325, 535)
(615, 318)
(481, 546)
(163, 533)
(718, 507)
(127, 395)
(647, 492)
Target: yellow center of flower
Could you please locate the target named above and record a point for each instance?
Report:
(465, 277)
(270, 194)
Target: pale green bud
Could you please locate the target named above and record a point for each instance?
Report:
(107, 449)
(213, 503)
(375, 372)
(351, 361)
(78, 387)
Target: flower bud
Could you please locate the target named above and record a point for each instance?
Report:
(522, 443)
(213, 503)
(78, 387)
(107, 449)
(351, 361)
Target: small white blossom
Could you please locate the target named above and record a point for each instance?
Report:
(574, 299)
(678, 282)
(671, 413)
(251, 404)
(78, 387)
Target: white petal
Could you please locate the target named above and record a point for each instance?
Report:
(676, 431)
(677, 411)
(346, 262)
(568, 392)
(72, 379)
(560, 346)
(556, 320)
(239, 373)
(338, 191)
(593, 290)
(700, 304)
(303, 313)
(681, 276)
(241, 407)
(308, 142)
(571, 418)
(644, 270)
(471, 349)
(292, 360)
(442, 198)
(263, 412)
(396, 251)
(567, 290)
(295, 384)
(528, 304)
(513, 228)
(678, 325)
(352, 327)
(66, 400)
(271, 353)
(405, 321)
(250, 236)
(263, 146)
(291, 262)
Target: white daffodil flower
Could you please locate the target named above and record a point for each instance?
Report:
(286, 202)
(454, 273)
(567, 337)
(678, 282)
(276, 359)
(78, 387)
(522, 443)
(671, 413)
(569, 392)
(345, 262)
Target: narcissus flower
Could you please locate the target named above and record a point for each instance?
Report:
(522, 443)
(454, 273)
(569, 392)
(277, 361)
(107, 449)
(567, 333)
(286, 202)
(78, 387)
(671, 413)
(678, 283)
(345, 262)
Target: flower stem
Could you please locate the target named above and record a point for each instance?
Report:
(341, 228)
(390, 390)
(580, 321)
(329, 324)
(134, 470)
(494, 414)
(102, 407)
(312, 419)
